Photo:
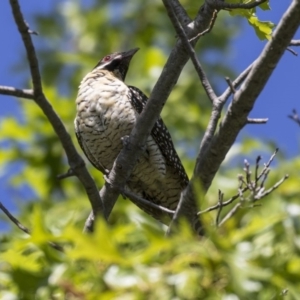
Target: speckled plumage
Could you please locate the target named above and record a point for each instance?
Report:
(107, 110)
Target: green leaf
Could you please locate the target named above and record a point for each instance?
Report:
(263, 29)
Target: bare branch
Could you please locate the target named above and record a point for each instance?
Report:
(257, 194)
(75, 161)
(257, 121)
(210, 27)
(267, 165)
(295, 117)
(230, 214)
(180, 12)
(295, 43)
(235, 84)
(220, 203)
(25, 229)
(137, 199)
(89, 223)
(292, 51)
(217, 110)
(69, 173)
(20, 93)
(229, 82)
(274, 187)
(181, 33)
(223, 5)
(256, 189)
(258, 159)
(13, 219)
(244, 99)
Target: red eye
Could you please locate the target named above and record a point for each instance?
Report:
(107, 58)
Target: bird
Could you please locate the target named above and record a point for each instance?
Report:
(107, 110)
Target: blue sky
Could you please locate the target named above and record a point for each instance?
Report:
(277, 100)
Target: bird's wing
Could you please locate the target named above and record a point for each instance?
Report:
(87, 152)
(161, 136)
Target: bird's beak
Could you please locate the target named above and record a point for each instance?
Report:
(130, 53)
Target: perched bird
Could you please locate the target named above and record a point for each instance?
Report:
(107, 110)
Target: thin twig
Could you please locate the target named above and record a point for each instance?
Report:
(294, 116)
(229, 82)
(20, 93)
(274, 187)
(210, 26)
(69, 173)
(221, 196)
(25, 229)
(137, 199)
(248, 172)
(230, 213)
(257, 121)
(13, 219)
(292, 51)
(267, 165)
(223, 5)
(235, 83)
(258, 159)
(242, 189)
(295, 43)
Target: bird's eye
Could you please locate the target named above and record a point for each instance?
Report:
(107, 58)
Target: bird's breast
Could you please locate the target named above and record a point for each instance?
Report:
(103, 103)
(104, 116)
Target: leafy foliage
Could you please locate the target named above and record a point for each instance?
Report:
(263, 29)
(253, 256)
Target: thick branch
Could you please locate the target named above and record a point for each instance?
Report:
(180, 12)
(75, 161)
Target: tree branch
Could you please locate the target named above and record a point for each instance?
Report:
(137, 199)
(25, 229)
(257, 121)
(75, 161)
(295, 117)
(255, 187)
(207, 30)
(214, 148)
(294, 43)
(235, 84)
(223, 5)
(180, 31)
(217, 110)
(244, 99)
(180, 12)
(12, 91)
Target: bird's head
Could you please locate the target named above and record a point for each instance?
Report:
(117, 62)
